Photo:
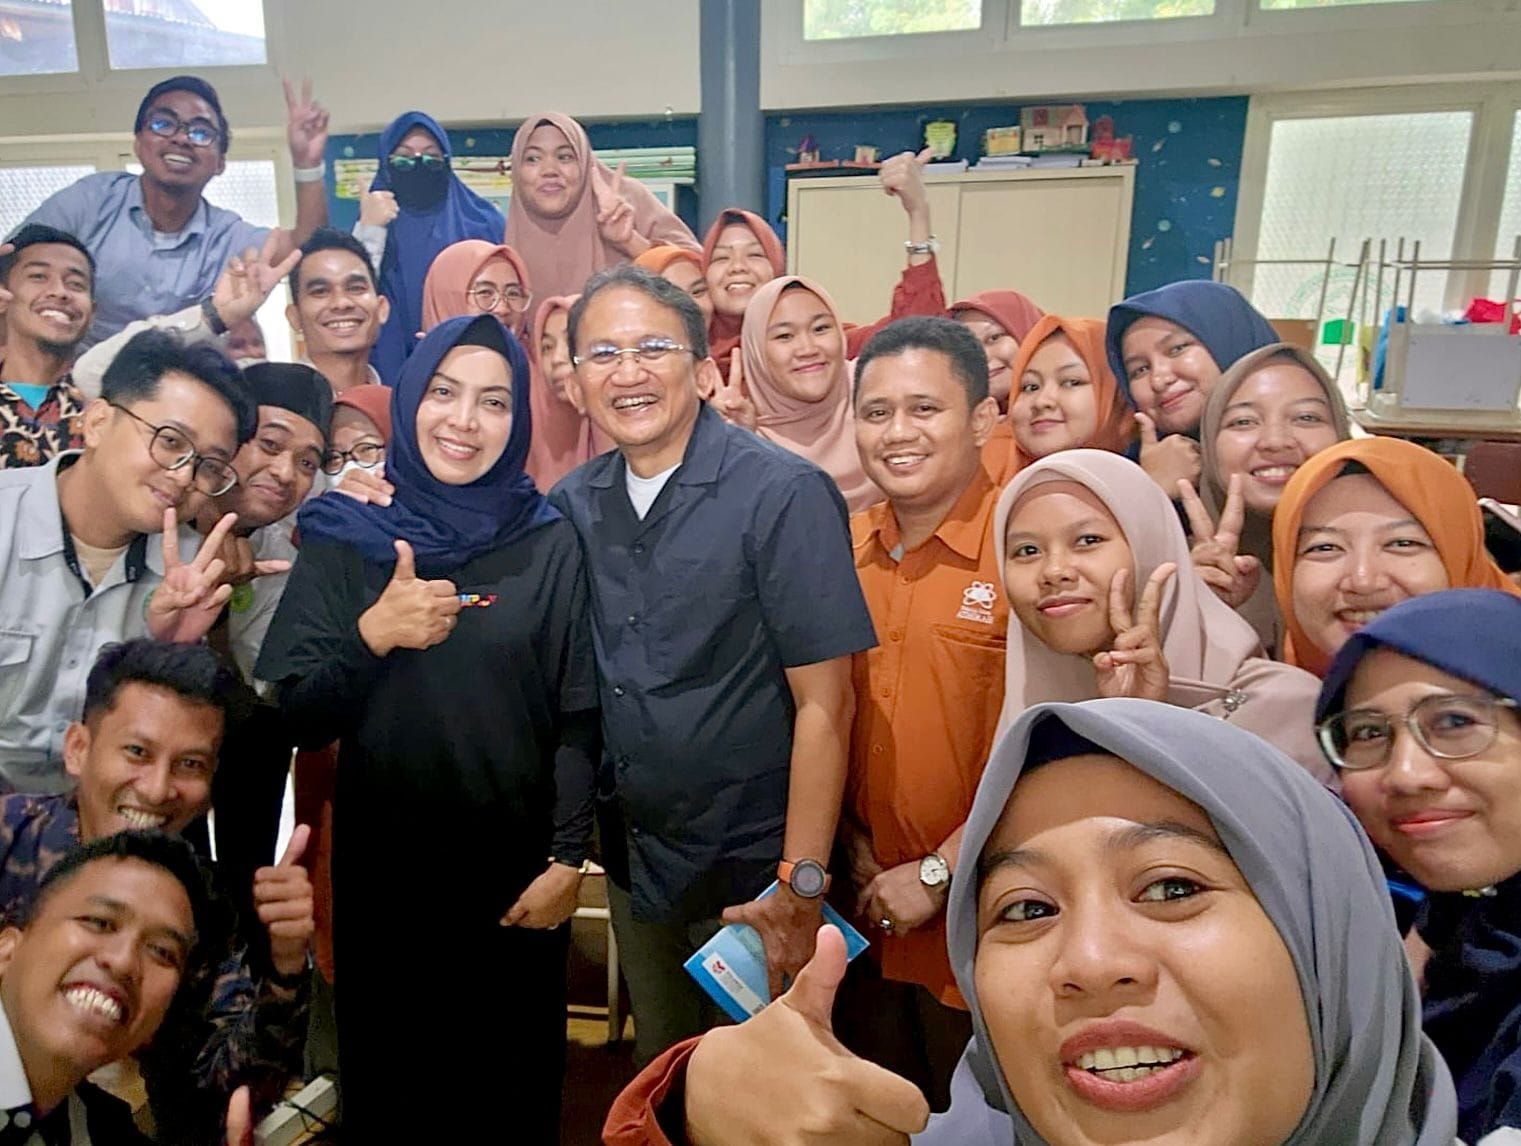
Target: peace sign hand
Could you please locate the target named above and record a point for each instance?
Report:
(1170, 460)
(250, 279)
(615, 215)
(1135, 666)
(1233, 577)
(306, 128)
(731, 400)
(187, 601)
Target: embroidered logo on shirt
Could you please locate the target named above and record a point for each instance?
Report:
(977, 602)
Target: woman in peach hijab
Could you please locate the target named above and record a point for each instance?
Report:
(563, 437)
(682, 267)
(570, 216)
(1362, 526)
(1064, 397)
(799, 380)
(476, 277)
(1000, 320)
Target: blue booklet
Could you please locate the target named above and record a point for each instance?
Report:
(731, 967)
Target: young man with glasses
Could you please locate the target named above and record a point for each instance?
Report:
(158, 243)
(725, 609)
(79, 566)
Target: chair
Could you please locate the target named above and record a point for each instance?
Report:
(614, 999)
(1494, 470)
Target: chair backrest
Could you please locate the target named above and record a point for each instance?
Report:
(1494, 470)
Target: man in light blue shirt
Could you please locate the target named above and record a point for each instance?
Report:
(158, 245)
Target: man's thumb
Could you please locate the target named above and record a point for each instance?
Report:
(812, 992)
(406, 566)
(1148, 429)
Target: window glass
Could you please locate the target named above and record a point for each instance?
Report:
(184, 33)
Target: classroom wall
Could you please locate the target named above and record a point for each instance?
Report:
(1185, 187)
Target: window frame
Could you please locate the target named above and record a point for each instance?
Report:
(795, 49)
(1493, 108)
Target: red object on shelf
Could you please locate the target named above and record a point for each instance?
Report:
(1486, 310)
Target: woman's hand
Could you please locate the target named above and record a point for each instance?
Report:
(411, 613)
(548, 901)
(1135, 666)
(1173, 459)
(615, 215)
(731, 400)
(1233, 577)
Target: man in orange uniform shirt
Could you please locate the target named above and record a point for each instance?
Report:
(928, 696)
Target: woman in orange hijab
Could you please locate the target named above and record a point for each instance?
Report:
(684, 268)
(1000, 320)
(563, 437)
(569, 216)
(477, 277)
(1063, 397)
(1362, 526)
(799, 380)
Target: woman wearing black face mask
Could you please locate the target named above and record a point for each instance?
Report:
(426, 209)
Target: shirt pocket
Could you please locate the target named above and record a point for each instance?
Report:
(16, 643)
(969, 678)
(690, 620)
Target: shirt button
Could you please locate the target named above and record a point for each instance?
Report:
(886, 693)
(633, 618)
(876, 749)
(896, 634)
(639, 548)
(617, 690)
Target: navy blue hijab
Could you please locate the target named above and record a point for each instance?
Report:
(446, 525)
(1472, 1004)
(414, 239)
(1217, 315)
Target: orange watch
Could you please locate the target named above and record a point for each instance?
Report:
(806, 877)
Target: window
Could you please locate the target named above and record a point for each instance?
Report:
(184, 33)
(1355, 177)
(23, 188)
(37, 38)
(1510, 213)
(848, 19)
(1287, 4)
(1046, 13)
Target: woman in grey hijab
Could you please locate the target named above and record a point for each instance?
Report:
(1373, 1079)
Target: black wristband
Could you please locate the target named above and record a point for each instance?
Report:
(213, 319)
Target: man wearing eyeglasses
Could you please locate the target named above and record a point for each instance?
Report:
(79, 565)
(158, 244)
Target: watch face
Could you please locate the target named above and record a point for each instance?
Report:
(933, 871)
(807, 879)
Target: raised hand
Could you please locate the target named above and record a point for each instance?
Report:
(412, 613)
(249, 279)
(378, 208)
(731, 399)
(283, 898)
(306, 125)
(187, 601)
(1232, 576)
(548, 901)
(615, 215)
(240, 565)
(1135, 665)
(902, 176)
(1173, 459)
(783, 1079)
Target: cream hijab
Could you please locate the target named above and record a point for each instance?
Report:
(1205, 642)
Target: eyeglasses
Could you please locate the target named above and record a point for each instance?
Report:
(172, 451)
(408, 162)
(485, 297)
(650, 352)
(199, 132)
(367, 455)
(1448, 726)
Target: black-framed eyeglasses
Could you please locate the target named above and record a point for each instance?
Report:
(485, 297)
(1448, 726)
(366, 455)
(171, 450)
(200, 132)
(650, 352)
(408, 162)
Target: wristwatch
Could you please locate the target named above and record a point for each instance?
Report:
(213, 318)
(930, 246)
(806, 877)
(584, 867)
(934, 871)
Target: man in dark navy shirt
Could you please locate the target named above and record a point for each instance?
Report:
(726, 609)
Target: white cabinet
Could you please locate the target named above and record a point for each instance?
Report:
(1059, 235)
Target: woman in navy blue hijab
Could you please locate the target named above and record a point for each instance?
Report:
(443, 640)
(435, 210)
(1419, 714)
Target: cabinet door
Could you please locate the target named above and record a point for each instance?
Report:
(1062, 241)
(849, 236)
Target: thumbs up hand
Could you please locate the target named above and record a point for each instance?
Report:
(783, 1079)
(1173, 459)
(902, 175)
(283, 898)
(412, 613)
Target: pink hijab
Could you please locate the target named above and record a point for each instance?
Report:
(446, 290)
(563, 253)
(823, 432)
(563, 438)
(1010, 309)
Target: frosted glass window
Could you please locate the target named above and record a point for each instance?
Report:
(1039, 13)
(22, 189)
(1510, 212)
(847, 19)
(184, 33)
(37, 38)
(1288, 4)
(1357, 177)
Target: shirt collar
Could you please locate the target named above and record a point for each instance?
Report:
(699, 465)
(15, 1091)
(41, 525)
(138, 211)
(964, 530)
